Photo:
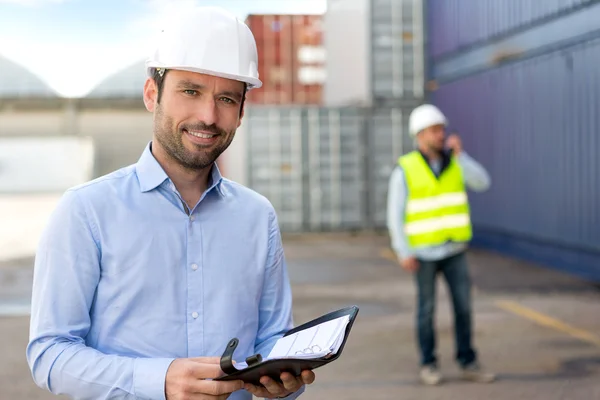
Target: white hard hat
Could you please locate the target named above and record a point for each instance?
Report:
(424, 116)
(208, 40)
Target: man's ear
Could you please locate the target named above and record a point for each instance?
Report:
(150, 94)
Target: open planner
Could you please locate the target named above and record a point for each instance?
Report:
(308, 346)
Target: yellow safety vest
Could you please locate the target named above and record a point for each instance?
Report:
(437, 209)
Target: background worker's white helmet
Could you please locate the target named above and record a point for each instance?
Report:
(425, 116)
(207, 40)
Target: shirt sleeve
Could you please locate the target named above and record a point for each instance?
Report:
(66, 274)
(475, 175)
(275, 313)
(395, 214)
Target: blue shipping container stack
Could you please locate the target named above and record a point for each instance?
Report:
(520, 81)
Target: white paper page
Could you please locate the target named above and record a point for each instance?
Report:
(338, 343)
(340, 335)
(316, 341)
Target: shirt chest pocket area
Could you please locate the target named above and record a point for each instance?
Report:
(236, 278)
(143, 250)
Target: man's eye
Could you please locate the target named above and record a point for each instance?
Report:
(227, 100)
(190, 92)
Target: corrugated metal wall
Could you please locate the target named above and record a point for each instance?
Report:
(534, 124)
(334, 161)
(291, 58)
(325, 168)
(275, 160)
(380, 57)
(388, 139)
(308, 163)
(397, 48)
(453, 24)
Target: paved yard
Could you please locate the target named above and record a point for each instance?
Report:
(538, 329)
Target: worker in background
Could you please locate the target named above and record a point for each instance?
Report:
(143, 276)
(429, 226)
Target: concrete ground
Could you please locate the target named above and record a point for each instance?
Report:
(538, 329)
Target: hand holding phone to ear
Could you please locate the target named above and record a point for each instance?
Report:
(455, 143)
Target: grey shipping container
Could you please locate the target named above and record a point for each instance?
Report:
(325, 168)
(374, 51)
(274, 139)
(457, 24)
(308, 161)
(388, 139)
(534, 124)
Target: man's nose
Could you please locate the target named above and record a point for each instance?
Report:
(207, 111)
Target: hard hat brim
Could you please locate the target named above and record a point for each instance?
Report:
(415, 133)
(252, 83)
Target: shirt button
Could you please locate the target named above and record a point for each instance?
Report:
(192, 217)
(194, 315)
(194, 267)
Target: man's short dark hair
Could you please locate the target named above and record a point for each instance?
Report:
(159, 80)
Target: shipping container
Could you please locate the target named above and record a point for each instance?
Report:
(291, 59)
(374, 51)
(579, 25)
(533, 123)
(457, 24)
(388, 140)
(324, 168)
(334, 161)
(309, 162)
(275, 160)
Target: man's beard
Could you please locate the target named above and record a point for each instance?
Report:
(172, 142)
(435, 147)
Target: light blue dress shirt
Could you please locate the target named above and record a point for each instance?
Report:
(476, 178)
(126, 281)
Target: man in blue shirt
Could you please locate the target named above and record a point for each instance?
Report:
(144, 275)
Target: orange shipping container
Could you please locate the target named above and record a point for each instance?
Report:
(291, 57)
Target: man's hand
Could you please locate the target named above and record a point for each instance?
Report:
(455, 143)
(273, 390)
(411, 264)
(186, 379)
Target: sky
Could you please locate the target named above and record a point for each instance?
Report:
(72, 45)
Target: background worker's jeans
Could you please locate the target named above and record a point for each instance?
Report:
(456, 273)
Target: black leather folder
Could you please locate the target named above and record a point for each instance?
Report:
(258, 368)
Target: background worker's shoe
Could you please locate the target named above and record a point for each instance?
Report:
(474, 372)
(430, 375)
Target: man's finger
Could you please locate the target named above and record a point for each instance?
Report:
(308, 377)
(272, 386)
(257, 391)
(253, 389)
(290, 383)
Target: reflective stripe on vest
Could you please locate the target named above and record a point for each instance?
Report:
(437, 209)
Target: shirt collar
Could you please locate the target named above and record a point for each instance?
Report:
(216, 180)
(149, 172)
(441, 165)
(151, 175)
(445, 156)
